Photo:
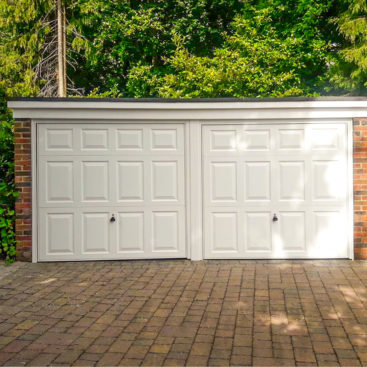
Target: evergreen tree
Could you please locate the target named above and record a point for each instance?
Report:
(349, 69)
(31, 43)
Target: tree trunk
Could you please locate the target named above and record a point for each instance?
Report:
(61, 49)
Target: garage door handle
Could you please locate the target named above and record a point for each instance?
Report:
(275, 218)
(113, 219)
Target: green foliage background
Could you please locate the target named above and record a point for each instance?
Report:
(180, 49)
(7, 186)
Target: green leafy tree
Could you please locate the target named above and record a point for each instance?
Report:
(273, 50)
(127, 48)
(349, 68)
(120, 35)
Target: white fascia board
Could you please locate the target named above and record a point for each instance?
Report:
(185, 105)
(188, 110)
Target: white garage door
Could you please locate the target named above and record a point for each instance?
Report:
(275, 191)
(110, 191)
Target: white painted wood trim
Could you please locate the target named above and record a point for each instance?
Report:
(196, 206)
(81, 110)
(186, 104)
(207, 122)
(187, 188)
(34, 183)
(350, 224)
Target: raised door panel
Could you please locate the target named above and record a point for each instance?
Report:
(253, 140)
(130, 183)
(129, 139)
(59, 139)
(55, 140)
(257, 181)
(94, 139)
(292, 232)
(327, 180)
(325, 138)
(329, 235)
(164, 139)
(165, 181)
(95, 181)
(291, 139)
(224, 233)
(130, 228)
(292, 180)
(59, 182)
(223, 181)
(165, 231)
(59, 233)
(57, 239)
(95, 232)
(223, 140)
(258, 232)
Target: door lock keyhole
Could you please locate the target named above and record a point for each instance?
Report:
(275, 218)
(113, 219)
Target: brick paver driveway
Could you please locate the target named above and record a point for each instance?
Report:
(178, 312)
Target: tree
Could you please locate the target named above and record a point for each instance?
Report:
(120, 35)
(129, 47)
(35, 45)
(273, 50)
(349, 68)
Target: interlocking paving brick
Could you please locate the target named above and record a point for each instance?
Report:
(168, 313)
(110, 359)
(160, 348)
(15, 346)
(68, 357)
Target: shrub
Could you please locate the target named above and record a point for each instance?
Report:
(7, 186)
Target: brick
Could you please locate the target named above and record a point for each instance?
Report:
(153, 359)
(218, 362)
(68, 357)
(201, 349)
(178, 331)
(174, 362)
(15, 346)
(304, 355)
(42, 359)
(360, 187)
(160, 348)
(22, 163)
(25, 325)
(241, 360)
(197, 361)
(120, 346)
(137, 352)
(323, 347)
(109, 359)
(5, 356)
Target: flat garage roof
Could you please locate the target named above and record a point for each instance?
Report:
(329, 107)
(189, 100)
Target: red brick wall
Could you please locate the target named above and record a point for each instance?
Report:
(360, 187)
(23, 174)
